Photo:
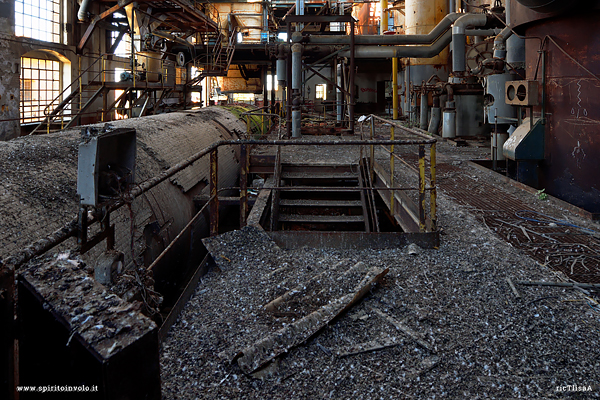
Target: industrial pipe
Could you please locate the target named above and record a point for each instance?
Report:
(428, 38)
(436, 116)
(384, 17)
(424, 109)
(395, 88)
(459, 38)
(500, 43)
(401, 51)
(339, 96)
(82, 14)
(296, 87)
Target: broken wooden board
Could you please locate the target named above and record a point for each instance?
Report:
(293, 334)
(402, 327)
(311, 288)
(367, 347)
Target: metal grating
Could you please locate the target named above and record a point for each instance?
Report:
(556, 244)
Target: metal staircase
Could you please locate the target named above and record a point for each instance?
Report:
(325, 198)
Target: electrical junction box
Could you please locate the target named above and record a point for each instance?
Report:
(522, 93)
(106, 164)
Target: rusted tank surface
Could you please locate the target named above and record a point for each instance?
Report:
(421, 17)
(572, 139)
(247, 17)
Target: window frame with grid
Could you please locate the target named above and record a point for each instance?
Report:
(39, 19)
(40, 85)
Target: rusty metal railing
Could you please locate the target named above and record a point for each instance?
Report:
(72, 228)
(423, 178)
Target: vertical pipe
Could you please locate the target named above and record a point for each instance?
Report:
(296, 87)
(339, 99)
(421, 188)
(351, 78)
(214, 199)
(243, 185)
(395, 87)
(372, 153)
(433, 188)
(273, 82)
(288, 88)
(383, 26)
(451, 6)
(424, 108)
(265, 91)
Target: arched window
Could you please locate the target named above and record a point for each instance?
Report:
(42, 74)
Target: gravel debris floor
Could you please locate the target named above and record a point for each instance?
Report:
(469, 336)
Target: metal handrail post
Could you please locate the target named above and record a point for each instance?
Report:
(214, 184)
(433, 188)
(421, 188)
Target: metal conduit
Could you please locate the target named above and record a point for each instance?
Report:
(401, 51)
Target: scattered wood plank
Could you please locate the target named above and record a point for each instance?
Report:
(366, 347)
(271, 346)
(513, 287)
(561, 284)
(302, 289)
(400, 326)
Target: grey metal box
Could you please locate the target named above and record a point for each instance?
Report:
(106, 165)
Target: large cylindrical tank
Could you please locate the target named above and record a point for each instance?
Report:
(469, 115)
(421, 17)
(572, 149)
(496, 109)
(38, 177)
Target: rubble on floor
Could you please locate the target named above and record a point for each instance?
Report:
(443, 323)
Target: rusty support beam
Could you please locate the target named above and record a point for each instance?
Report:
(243, 185)
(421, 188)
(98, 18)
(214, 183)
